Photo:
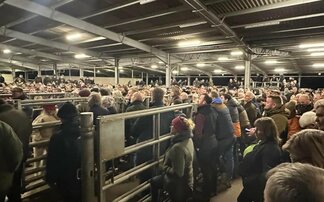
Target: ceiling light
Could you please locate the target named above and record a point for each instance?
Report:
(121, 70)
(218, 71)
(239, 67)
(236, 53)
(175, 72)
(271, 62)
(81, 56)
(316, 65)
(262, 24)
(315, 49)
(317, 54)
(279, 69)
(222, 58)
(154, 66)
(184, 68)
(192, 24)
(6, 51)
(145, 1)
(160, 62)
(311, 45)
(73, 37)
(200, 64)
(189, 43)
(120, 67)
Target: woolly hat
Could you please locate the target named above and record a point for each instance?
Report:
(307, 119)
(49, 107)
(84, 92)
(179, 124)
(67, 111)
(217, 100)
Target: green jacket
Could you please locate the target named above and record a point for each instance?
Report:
(179, 159)
(11, 153)
(280, 117)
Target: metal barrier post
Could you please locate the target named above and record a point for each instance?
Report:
(87, 158)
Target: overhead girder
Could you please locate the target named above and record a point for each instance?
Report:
(283, 4)
(41, 54)
(49, 43)
(81, 24)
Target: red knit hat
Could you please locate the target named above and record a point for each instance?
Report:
(49, 107)
(179, 124)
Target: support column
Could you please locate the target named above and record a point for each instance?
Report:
(26, 76)
(94, 73)
(116, 71)
(147, 79)
(211, 80)
(299, 80)
(13, 73)
(55, 69)
(247, 72)
(168, 73)
(132, 78)
(70, 74)
(188, 79)
(81, 73)
(39, 71)
(87, 157)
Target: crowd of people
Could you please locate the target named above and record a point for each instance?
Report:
(266, 136)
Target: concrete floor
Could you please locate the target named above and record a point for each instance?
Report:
(231, 194)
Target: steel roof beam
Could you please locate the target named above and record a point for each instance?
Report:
(20, 64)
(41, 54)
(273, 22)
(75, 22)
(48, 43)
(269, 7)
(149, 16)
(202, 10)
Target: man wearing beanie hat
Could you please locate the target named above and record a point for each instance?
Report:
(64, 155)
(177, 165)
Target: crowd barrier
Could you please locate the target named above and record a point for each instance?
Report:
(110, 144)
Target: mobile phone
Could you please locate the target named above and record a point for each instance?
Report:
(247, 129)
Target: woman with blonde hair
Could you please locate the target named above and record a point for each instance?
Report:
(264, 156)
(307, 146)
(177, 177)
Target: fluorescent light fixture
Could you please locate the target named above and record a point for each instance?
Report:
(317, 54)
(189, 43)
(154, 66)
(200, 64)
(311, 45)
(271, 62)
(18, 53)
(121, 70)
(315, 49)
(6, 51)
(160, 62)
(279, 70)
(121, 67)
(145, 1)
(262, 24)
(218, 71)
(192, 24)
(184, 68)
(318, 65)
(175, 72)
(222, 58)
(239, 67)
(81, 56)
(98, 71)
(73, 36)
(236, 53)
